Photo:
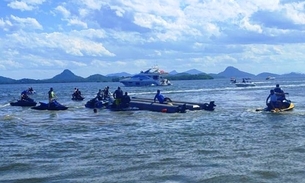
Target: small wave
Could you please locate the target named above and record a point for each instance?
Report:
(5, 105)
(10, 117)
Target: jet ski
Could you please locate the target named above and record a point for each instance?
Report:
(54, 106)
(23, 103)
(95, 103)
(286, 105)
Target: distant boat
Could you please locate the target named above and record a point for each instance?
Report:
(150, 77)
(270, 78)
(233, 80)
(245, 83)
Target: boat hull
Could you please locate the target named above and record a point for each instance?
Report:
(244, 84)
(54, 106)
(23, 103)
(288, 106)
(143, 83)
(171, 107)
(91, 104)
(77, 98)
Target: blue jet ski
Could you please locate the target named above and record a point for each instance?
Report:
(95, 103)
(24, 103)
(77, 98)
(54, 106)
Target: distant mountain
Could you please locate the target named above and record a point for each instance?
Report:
(26, 80)
(294, 74)
(66, 76)
(193, 72)
(233, 72)
(97, 78)
(267, 74)
(174, 72)
(216, 75)
(5, 80)
(121, 74)
(187, 76)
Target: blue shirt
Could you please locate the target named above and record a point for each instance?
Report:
(24, 92)
(273, 98)
(160, 98)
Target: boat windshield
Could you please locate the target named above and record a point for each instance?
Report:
(140, 77)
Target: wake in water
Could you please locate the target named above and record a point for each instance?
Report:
(4, 105)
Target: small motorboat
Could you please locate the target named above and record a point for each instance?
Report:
(270, 78)
(233, 80)
(24, 103)
(54, 106)
(245, 83)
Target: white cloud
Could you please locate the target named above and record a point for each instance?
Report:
(296, 12)
(20, 5)
(10, 64)
(79, 64)
(25, 5)
(90, 33)
(28, 23)
(66, 13)
(100, 64)
(73, 45)
(5, 24)
(77, 22)
(92, 4)
(76, 46)
(83, 12)
(251, 27)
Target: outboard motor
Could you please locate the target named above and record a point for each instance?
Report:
(182, 108)
(210, 106)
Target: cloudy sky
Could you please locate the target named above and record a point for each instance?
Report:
(41, 38)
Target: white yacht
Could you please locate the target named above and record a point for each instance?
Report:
(150, 77)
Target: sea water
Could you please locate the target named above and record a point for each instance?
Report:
(234, 143)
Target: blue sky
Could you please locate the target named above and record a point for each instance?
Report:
(41, 38)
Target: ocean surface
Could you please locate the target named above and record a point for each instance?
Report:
(234, 143)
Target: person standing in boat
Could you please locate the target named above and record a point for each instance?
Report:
(117, 95)
(161, 98)
(52, 95)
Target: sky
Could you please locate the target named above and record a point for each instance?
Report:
(41, 38)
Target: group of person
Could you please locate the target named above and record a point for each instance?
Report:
(103, 94)
(77, 94)
(121, 100)
(275, 98)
